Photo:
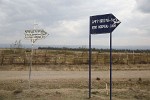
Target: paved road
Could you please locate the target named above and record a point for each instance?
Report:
(71, 74)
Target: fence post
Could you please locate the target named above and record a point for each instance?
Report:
(12, 60)
(133, 57)
(24, 59)
(97, 57)
(2, 61)
(127, 58)
(104, 58)
(147, 58)
(65, 57)
(45, 57)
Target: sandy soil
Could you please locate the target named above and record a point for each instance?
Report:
(72, 74)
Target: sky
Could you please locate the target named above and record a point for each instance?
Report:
(67, 21)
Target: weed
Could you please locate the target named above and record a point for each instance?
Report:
(95, 92)
(17, 91)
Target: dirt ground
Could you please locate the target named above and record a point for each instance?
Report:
(70, 82)
(73, 85)
(7, 75)
(73, 89)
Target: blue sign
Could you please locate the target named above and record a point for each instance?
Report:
(100, 24)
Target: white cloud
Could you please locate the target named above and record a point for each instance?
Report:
(143, 5)
(67, 21)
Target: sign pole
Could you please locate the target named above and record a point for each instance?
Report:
(90, 65)
(30, 63)
(110, 66)
(102, 24)
(34, 34)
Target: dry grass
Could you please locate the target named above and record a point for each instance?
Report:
(70, 57)
(74, 67)
(74, 89)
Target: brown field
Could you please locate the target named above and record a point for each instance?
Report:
(81, 67)
(63, 75)
(70, 57)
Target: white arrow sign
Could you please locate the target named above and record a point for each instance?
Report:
(35, 34)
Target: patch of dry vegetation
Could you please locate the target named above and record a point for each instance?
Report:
(70, 57)
(74, 67)
(74, 89)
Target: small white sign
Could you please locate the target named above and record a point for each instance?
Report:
(35, 34)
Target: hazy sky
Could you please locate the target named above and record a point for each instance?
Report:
(67, 21)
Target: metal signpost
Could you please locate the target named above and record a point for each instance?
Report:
(34, 35)
(102, 24)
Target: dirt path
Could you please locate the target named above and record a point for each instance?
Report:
(71, 74)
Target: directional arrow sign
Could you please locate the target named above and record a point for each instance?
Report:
(35, 34)
(100, 24)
